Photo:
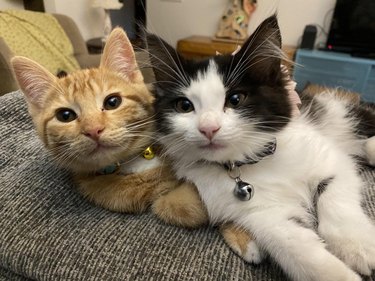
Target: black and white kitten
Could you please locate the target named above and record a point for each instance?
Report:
(226, 123)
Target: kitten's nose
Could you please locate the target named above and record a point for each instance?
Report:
(209, 131)
(93, 133)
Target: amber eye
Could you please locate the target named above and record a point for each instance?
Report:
(235, 100)
(183, 105)
(112, 102)
(65, 115)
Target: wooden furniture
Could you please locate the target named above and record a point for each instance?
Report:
(197, 47)
(203, 46)
(95, 45)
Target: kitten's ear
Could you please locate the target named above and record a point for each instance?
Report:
(262, 51)
(166, 62)
(118, 56)
(33, 79)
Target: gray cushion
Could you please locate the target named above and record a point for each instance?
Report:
(49, 232)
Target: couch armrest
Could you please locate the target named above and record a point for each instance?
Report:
(73, 33)
(7, 81)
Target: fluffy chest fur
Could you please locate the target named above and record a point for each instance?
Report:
(288, 179)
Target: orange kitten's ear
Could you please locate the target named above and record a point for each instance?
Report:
(33, 79)
(118, 56)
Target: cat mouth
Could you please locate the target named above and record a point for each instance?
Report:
(100, 147)
(212, 146)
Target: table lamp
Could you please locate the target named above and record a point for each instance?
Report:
(107, 5)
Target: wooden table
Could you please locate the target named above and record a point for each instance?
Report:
(204, 46)
(95, 45)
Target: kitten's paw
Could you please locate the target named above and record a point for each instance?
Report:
(241, 242)
(252, 253)
(331, 269)
(181, 206)
(370, 150)
(356, 248)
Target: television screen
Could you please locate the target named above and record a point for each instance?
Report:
(353, 28)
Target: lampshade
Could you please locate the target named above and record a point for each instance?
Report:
(106, 4)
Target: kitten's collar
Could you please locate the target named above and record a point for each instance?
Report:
(244, 191)
(268, 149)
(148, 154)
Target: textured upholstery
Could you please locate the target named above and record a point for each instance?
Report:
(49, 232)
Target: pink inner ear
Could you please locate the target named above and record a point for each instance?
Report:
(33, 79)
(119, 55)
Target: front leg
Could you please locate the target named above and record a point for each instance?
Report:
(348, 231)
(241, 242)
(131, 193)
(181, 206)
(297, 249)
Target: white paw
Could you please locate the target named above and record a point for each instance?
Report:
(355, 247)
(370, 150)
(253, 253)
(331, 269)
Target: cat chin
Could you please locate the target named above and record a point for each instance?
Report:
(88, 165)
(220, 154)
(94, 161)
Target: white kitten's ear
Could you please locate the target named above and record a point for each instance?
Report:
(33, 79)
(118, 56)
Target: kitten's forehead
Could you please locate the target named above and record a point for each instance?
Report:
(207, 88)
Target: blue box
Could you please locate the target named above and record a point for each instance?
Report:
(335, 70)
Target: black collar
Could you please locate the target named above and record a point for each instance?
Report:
(268, 149)
(244, 191)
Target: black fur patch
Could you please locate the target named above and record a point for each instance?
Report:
(254, 71)
(365, 114)
(317, 111)
(302, 222)
(322, 186)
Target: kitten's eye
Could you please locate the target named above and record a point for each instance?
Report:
(65, 115)
(235, 100)
(184, 105)
(112, 102)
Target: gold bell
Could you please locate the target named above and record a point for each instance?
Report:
(149, 153)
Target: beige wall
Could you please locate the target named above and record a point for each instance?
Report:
(294, 15)
(175, 20)
(89, 20)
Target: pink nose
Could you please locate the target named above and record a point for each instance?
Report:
(93, 133)
(209, 131)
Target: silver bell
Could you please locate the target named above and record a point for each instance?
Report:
(243, 190)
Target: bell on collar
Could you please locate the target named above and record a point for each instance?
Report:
(243, 190)
(149, 153)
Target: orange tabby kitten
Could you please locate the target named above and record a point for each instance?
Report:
(98, 124)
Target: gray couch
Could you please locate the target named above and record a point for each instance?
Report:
(49, 232)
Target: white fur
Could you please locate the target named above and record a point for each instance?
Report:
(370, 150)
(284, 184)
(139, 165)
(253, 253)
